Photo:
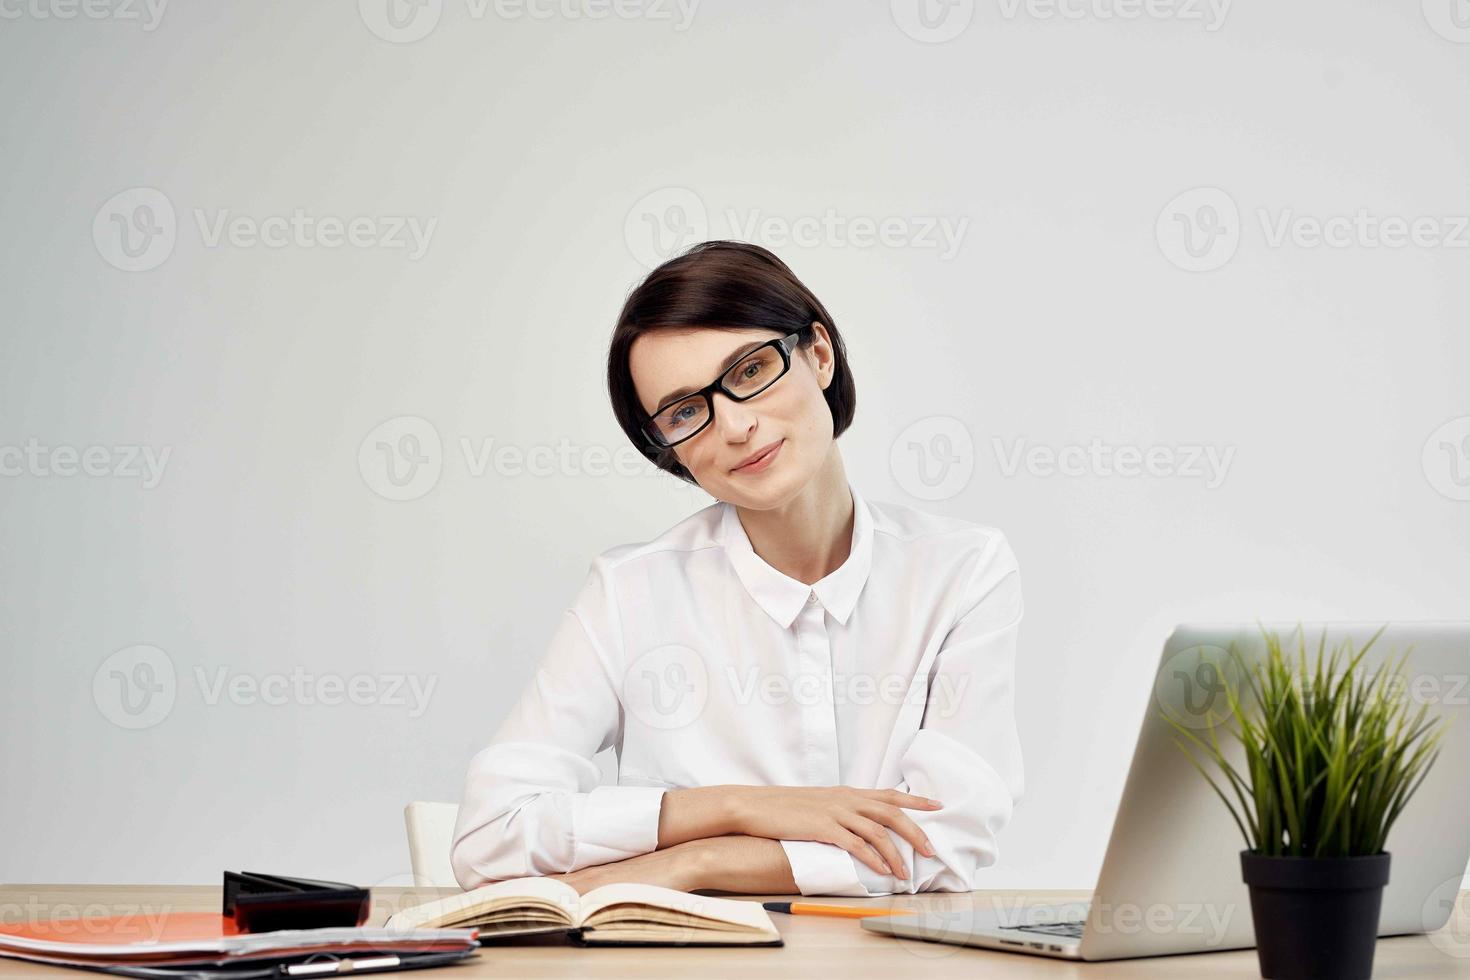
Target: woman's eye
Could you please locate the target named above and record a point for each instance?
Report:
(751, 369)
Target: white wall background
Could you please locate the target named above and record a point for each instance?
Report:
(545, 150)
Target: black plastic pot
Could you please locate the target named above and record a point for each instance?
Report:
(1315, 917)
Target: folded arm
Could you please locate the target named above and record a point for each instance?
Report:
(532, 804)
(731, 863)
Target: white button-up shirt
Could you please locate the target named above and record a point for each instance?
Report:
(702, 664)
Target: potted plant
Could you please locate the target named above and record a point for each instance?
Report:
(1332, 754)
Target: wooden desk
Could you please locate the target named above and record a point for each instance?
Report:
(832, 949)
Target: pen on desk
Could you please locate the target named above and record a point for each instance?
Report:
(346, 965)
(811, 908)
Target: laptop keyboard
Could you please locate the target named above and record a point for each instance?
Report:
(1071, 928)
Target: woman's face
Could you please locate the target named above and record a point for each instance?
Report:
(791, 415)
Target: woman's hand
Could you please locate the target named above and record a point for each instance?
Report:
(856, 820)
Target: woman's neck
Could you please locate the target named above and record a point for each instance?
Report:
(809, 536)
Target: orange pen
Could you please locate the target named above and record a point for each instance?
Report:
(811, 908)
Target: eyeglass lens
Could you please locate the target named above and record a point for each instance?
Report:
(750, 377)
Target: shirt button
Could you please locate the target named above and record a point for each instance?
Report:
(811, 598)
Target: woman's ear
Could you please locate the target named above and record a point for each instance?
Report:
(824, 361)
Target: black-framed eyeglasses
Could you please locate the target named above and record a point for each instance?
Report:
(686, 416)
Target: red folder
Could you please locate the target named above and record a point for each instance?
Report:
(179, 938)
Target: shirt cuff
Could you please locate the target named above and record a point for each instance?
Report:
(819, 868)
(616, 823)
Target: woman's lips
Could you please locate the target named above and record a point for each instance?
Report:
(763, 462)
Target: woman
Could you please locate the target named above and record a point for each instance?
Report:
(807, 691)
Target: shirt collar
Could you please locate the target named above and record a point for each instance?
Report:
(782, 596)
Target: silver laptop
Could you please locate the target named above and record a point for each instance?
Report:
(1171, 879)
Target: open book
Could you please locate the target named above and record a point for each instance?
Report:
(624, 913)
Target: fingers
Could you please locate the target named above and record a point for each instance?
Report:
(862, 850)
(902, 824)
(894, 797)
(877, 835)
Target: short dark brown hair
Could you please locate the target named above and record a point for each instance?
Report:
(719, 284)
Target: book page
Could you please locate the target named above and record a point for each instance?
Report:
(513, 893)
(725, 910)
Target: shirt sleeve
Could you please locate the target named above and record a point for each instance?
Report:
(966, 753)
(532, 804)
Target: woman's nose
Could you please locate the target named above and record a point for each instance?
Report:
(734, 419)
